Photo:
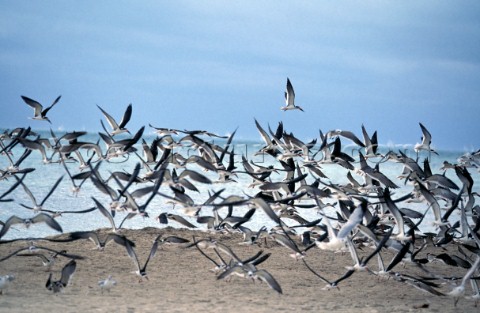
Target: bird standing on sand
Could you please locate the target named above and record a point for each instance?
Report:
(107, 284)
(290, 98)
(5, 282)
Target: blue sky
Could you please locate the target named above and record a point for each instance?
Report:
(216, 65)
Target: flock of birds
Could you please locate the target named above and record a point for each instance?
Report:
(363, 213)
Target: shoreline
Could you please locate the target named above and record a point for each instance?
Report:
(180, 279)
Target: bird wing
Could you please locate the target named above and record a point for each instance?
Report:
(267, 209)
(37, 107)
(119, 239)
(268, 278)
(181, 220)
(86, 235)
(427, 137)
(52, 190)
(153, 250)
(44, 112)
(67, 272)
(50, 221)
(29, 193)
(264, 134)
(289, 94)
(195, 176)
(392, 207)
(104, 211)
(354, 219)
(126, 116)
(113, 124)
(432, 201)
(12, 220)
(133, 255)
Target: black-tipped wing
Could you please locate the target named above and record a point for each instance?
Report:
(51, 190)
(126, 116)
(67, 272)
(37, 107)
(268, 278)
(50, 221)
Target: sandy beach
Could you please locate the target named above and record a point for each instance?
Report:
(181, 280)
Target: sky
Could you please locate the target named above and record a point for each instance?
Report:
(218, 65)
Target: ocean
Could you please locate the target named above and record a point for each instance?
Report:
(41, 180)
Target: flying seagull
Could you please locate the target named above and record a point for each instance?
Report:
(426, 141)
(290, 98)
(42, 217)
(67, 272)
(118, 128)
(39, 113)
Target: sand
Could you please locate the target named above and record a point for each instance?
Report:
(180, 280)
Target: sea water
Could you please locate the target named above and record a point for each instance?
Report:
(43, 178)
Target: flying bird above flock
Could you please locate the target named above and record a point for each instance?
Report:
(39, 113)
(290, 98)
(199, 178)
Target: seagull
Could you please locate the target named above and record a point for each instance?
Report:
(38, 207)
(42, 217)
(337, 241)
(142, 272)
(426, 141)
(39, 113)
(100, 245)
(290, 98)
(361, 264)
(164, 217)
(107, 284)
(37, 145)
(35, 249)
(67, 272)
(118, 128)
(5, 282)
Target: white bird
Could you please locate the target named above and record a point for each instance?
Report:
(290, 98)
(426, 141)
(107, 284)
(118, 128)
(5, 282)
(337, 241)
(39, 113)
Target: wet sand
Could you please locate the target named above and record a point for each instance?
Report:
(180, 280)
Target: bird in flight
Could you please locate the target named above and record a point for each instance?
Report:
(39, 113)
(118, 128)
(290, 98)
